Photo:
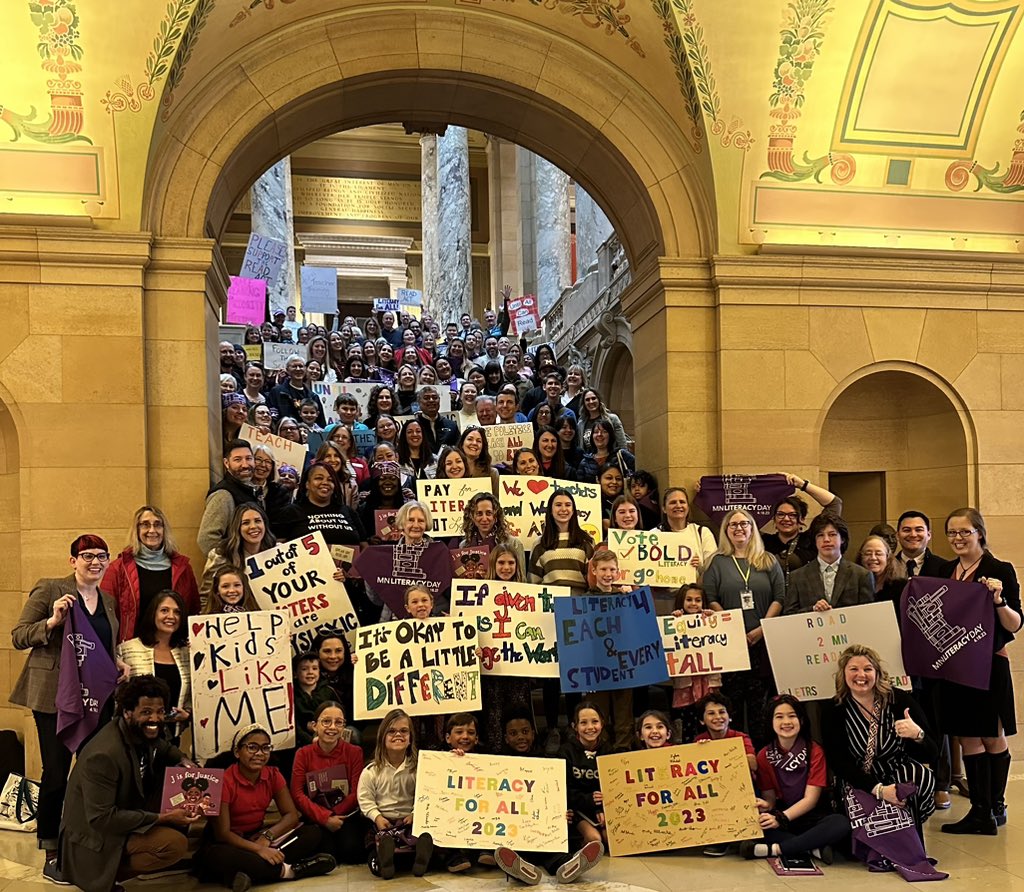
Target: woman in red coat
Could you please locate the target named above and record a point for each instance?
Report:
(150, 564)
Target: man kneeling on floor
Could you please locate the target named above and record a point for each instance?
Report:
(110, 831)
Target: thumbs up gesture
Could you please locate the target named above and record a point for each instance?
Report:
(907, 728)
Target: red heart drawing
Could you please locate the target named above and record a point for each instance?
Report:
(197, 628)
(202, 722)
(536, 486)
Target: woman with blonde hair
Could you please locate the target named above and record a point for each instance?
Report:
(150, 564)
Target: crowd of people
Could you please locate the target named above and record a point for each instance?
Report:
(104, 824)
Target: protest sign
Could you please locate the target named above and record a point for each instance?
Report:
(410, 301)
(241, 674)
(482, 802)
(247, 301)
(390, 569)
(385, 305)
(678, 796)
(653, 557)
(253, 352)
(470, 562)
(524, 500)
(696, 645)
(328, 393)
(319, 289)
(275, 356)
(504, 439)
(756, 493)
(608, 642)
(286, 452)
(516, 622)
(804, 648)
(524, 313)
(298, 577)
(426, 667)
(264, 257)
(948, 629)
(447, 500)
(198, 791)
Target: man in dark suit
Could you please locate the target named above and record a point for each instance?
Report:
(111, 829)
(443, 431)
(914, 532)
(830, 580)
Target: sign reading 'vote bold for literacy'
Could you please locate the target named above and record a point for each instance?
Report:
(697, 645)
(426, 667)
(524, 500)
(298, 577)
(608, 642)
(678, 796)
(241, 673)
(447, 500)
(653, 557)
(482, 802)
(804, 649)
(516, 622)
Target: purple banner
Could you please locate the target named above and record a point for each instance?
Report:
(86, 680)
(390, 569)
(947, 629)
(756, 493)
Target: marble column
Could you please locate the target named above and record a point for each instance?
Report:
(553, 235)
(271, 201)
(453, 272)
(428, 214)
(592, 229)
(506, 246)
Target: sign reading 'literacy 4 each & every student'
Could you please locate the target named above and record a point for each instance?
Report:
(653, 557)
(482, 802)
(516, 622)
(426, 667)
(524, 500)
(608, 642)
(697, 645)
(804, 648)
(298, 576)
(677, 796)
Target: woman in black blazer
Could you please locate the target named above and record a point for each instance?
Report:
(982, 719)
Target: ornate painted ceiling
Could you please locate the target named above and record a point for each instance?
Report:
(873, 123)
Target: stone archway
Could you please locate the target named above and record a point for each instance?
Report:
(614, 377)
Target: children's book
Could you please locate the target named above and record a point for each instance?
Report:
(197, 790)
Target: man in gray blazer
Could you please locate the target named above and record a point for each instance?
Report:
(830, 580)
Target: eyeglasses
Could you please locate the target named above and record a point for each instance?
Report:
(739, 525)
(253, 748)
(91, 557)
(151, 524)
(402, 732)
(786, 515)
(959, 534)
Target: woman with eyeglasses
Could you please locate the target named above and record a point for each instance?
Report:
(743, 576)
(40, 631)
(982, 719)
(791, 543)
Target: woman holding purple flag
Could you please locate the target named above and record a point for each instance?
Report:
(982, 719)
(40, 686)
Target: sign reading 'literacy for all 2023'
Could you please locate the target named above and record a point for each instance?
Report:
(653, 557)
(697, 645)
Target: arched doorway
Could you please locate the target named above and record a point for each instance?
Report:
(894, 440)
(615, 382)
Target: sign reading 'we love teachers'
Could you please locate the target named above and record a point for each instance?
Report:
(524, 500)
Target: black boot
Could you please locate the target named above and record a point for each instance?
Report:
(999, 768)
(979, 819)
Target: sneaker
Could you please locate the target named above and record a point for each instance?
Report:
(386, 856)
(999, 814)
(717, 851)
(747, 849)
(53, 873)
(457, 862)
(424, 849)
(580, 863)
(553, 742)
(241, 883)
(825, 854)
(486, 860)
(314, 866)
(516, 867)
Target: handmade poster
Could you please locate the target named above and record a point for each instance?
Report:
(253, 352)
(424, 666)
(384, 525)
(653, 557)
(755, 493)
(410, 301)
(524, 501)
(298, 577)
(285, 451)
(516, 622)
(948, 630)
(319, 289)
(524, 313)
(86, 678)
(609, 642)
(247, 301)
(196, 790)
(482, 802)
(696, 645)
(241, 674)
(504, 439)
(678, 796)
(264, 257)
(447, 500)
(275, 356)
(390, 569)
(804, 649)
(470, 562)
(385, 305)
(328, 393)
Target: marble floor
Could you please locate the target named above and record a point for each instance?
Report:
(974, 863)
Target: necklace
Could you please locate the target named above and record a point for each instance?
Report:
(964, 572)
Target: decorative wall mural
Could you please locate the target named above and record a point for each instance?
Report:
(196, 23)
(249, 6)
(1011, 180)
(681, 65)
(607, 14)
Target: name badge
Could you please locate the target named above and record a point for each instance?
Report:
(747, 599)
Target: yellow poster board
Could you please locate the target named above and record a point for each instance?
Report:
(678, 796)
